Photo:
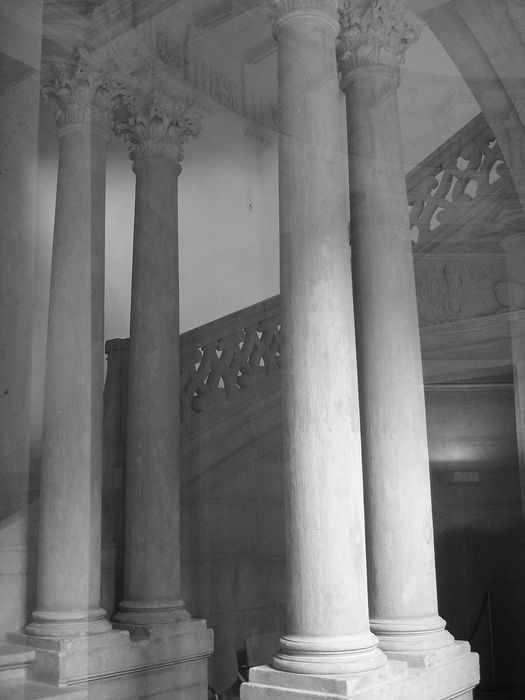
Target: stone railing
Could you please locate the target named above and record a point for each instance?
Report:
(217, 359)
(461, 185)
(226, 355)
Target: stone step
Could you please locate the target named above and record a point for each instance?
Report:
(14, 662)
(29, 690)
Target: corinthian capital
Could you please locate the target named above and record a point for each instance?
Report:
(83, 92)
(375, 32)
(157, 122)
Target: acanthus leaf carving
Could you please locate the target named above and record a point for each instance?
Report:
(84, 91)
(375, 32)
(156, 122)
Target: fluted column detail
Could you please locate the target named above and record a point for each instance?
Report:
(327, 630)
(375, 35)
(156, 123)
(68, 596)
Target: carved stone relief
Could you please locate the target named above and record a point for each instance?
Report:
(156, 123)
(84, 91)
(453, 289)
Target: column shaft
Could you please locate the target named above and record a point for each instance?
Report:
(160, 120)
(327, 613)
(152, 519)
(70, 497)
(400, 547)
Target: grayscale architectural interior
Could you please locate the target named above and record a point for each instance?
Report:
(262, 349)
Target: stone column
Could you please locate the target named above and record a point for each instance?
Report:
(514, 246)
(70, 498)
(20, 50)
(327, 613)
(400, 548)
(157, 127)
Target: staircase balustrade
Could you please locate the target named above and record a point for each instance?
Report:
(217, 359)
(464, 183)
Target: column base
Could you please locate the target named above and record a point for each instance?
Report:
(411, 635)
(107, 657)
(328, 655)
(454, 677)
(59, 624)
(142, 620)
(267, 683)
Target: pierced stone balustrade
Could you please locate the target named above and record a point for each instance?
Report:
(464, 186)
(217, 360)
(227, 355)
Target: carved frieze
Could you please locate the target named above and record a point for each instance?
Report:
(452, 289)
(157, 122)
(223, 90)
(375, 32)
(84, 91)
(217, 84)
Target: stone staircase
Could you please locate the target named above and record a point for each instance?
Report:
(16, 682)
(239, 356)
